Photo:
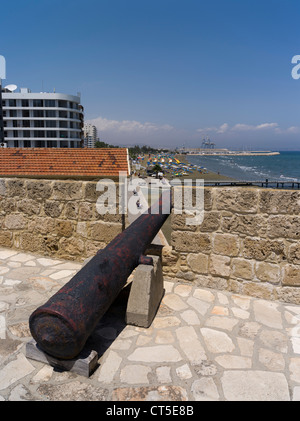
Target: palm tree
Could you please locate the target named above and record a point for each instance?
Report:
(157, 168)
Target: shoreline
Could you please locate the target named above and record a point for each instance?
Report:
(207, 176)
(234, 154)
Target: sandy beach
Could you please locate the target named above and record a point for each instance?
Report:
(193, 173)
(207, 175)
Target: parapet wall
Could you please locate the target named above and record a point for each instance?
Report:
(248, 243)
(54, 218)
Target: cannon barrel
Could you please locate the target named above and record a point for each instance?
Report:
(63, 324)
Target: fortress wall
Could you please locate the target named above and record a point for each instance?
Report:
(248, 243)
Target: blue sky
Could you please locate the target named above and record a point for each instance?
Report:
(164, 72)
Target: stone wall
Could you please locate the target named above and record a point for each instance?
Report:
(54, 218)
(248, 243)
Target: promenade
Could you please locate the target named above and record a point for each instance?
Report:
(203, 345)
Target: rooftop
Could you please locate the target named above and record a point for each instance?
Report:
(63, 162)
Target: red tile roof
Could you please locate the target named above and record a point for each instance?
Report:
(63, 162)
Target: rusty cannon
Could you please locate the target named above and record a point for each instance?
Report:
(63, 324)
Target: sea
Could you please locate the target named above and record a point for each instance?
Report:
(282, 167)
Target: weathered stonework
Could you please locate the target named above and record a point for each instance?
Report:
(54, 218)
(248, 243)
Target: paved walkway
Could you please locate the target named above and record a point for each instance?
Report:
(203, 344)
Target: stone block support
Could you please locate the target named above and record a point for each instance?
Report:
(145, 294)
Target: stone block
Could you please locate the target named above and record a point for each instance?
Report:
(191, 242)
(145, 294)
(28, 206)
(6, 239)
(90, 192)
(71, 210)
(242, 268)
(262, 249)
(106, 232)
(41, 225)
(86, 211)
(39, 190)
(258, 290)
(84, 364)
(31, 242)
(15, 187)
(279, 202)
(53, 208)
(219, 265)
(268, 272)
(178, 222)
(294, 253)
(7, 205)
(291, 275)
(198, 262)
(244, 224)
(2, 187)
(211, 222)
(236, 199)
(226, 244)
(63, 228)
(284, 227)
(71, 247)
(67, 190)
(15, 221)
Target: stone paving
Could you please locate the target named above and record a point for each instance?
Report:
(203, 345)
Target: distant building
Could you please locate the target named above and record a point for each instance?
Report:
(51, 120)
(89, 135)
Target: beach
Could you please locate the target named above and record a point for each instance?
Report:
(147, 182)
(184, 169)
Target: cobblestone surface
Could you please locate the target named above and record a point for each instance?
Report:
(203, 345)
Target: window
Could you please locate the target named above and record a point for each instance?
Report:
(27, 144)
(13, 113)
(38, 123)
(51, 144)
(38, 113)
(49, 102)
(16, 143)
(39, 133)
(63, 124)
(25, 103)
(50, 113)
(26, 133)
(51, 133)
(50, 123)
(26, 123)
(39, 143)
(63, 134)
(37, 102)
(15, 133)
(63, 104)
(12, 103)
(63, 114)
(25, 113)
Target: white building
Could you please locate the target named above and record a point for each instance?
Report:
(90, 135)
(42, 119)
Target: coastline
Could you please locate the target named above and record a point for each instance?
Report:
(208, 175)
(234, 154)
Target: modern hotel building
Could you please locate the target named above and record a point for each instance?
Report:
(42, 119)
